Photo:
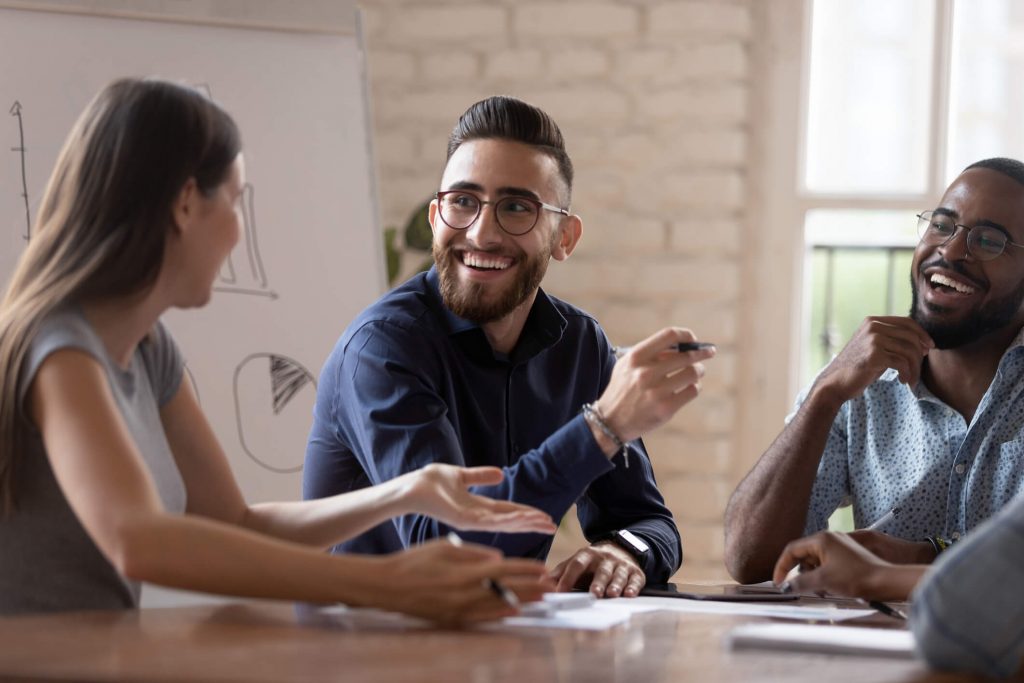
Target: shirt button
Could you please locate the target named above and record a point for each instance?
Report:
(955, 535)
(959, 468)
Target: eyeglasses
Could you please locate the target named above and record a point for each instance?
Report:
(516, 215)
(984, 242)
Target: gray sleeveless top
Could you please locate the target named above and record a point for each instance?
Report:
(47, 561)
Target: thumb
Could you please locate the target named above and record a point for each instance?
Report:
(476, 476)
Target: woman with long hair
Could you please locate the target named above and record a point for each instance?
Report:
(110, 474)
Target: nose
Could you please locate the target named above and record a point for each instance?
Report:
(485, 229)
(955, 248)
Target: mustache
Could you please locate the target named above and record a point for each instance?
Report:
(956, 267)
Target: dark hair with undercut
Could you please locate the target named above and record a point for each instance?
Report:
(509, 118)
(1008, 167)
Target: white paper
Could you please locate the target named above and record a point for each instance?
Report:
(851, 640)
(819, 612)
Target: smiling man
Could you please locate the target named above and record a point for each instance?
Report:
(921, 416)
(472, 363)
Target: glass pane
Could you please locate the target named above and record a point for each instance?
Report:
(858, 264)
(986, 113)
(868, 117)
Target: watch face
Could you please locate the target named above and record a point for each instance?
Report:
(632, 541)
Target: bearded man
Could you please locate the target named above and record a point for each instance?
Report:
(473, 364)
(919, 421)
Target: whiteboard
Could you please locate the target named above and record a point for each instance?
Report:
(311, 255)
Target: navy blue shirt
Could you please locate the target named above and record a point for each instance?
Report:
(410, 383)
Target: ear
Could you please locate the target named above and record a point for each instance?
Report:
(432, 215)
(186, 205)
(569, 232)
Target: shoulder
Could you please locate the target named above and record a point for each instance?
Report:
(577, 320)
(65, 328)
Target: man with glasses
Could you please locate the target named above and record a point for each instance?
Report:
(919, 421)
(472, 363)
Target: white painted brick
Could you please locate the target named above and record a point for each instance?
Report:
(575, 20)
(697, 236)
(522, 64)
(602, 105)
(677, 455)
(718, 191)
(707, 279)
(711, 146)
(633, 323)
(703, 542)
(720, 373)
(388, 66)
(578, 63)
(706, 416)
(430, 24)
(618, 233)
(697, 570)
(713, 62)
(395, 149)
(641, 64)
(449, 67)
(722, 104)
(715, 323)
(678, 19)
(437, 105)
(696, 499)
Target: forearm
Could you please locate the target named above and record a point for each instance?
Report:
(769, 507)
(199, 554)
(324, 522)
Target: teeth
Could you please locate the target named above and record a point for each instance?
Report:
(480, 261)
(939, 279)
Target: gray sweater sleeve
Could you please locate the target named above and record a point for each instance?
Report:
(968, 611)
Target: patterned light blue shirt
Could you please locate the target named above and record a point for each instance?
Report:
(896, 446)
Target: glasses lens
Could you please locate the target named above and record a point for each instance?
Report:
(986, 243)
(935, 228)
(516, 215)
(458, 209)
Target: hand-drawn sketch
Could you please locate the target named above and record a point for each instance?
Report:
(15, 111)
(228, 276)
(259, 429)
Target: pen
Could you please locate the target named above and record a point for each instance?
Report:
(492, 585)
(886, 609)
(885, 519)
(681, 347)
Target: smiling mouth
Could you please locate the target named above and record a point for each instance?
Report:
(484, 261)
(948, 285)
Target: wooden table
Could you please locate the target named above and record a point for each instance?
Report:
(266, 641)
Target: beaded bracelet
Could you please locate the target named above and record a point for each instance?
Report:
(938, 544)
(592, 415)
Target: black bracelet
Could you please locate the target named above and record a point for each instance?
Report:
(592, 415)
(938, 544)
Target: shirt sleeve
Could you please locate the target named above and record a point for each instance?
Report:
(968, 610)
(380, 399)
(628, 498)
(163, 362)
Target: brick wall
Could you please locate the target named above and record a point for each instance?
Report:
(653, 97)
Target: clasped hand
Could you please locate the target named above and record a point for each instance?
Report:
(604, 568)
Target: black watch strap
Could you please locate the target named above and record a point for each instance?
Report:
(631, 543)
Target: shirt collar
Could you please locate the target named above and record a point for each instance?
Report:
(544, 326)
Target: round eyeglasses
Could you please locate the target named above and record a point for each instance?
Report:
(984, 242)
(515, 215)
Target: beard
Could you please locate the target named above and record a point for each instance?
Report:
(991, 316)
(468, 299)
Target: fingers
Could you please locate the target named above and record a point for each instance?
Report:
(482, 476)
(574, 569)
(801, 552)
(635, 584)
(662, 340)
(602, 575)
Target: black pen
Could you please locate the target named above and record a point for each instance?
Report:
(886, 609)
(681, 347)
(493, 585)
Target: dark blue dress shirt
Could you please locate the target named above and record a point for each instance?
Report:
(409, 383)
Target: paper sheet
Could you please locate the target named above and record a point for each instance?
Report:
(850, 640)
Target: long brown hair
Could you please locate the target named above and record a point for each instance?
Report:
(104, 219)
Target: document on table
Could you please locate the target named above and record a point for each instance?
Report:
(777, 610)
(846, 640)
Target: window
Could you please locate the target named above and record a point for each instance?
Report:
(899, 98)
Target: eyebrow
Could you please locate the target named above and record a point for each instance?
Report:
(983, 222)
(502, 191)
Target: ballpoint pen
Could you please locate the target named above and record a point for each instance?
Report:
(493, 585)
(681, 347)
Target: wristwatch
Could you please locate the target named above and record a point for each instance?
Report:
(631, 543)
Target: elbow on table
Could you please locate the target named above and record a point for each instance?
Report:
(134, 548)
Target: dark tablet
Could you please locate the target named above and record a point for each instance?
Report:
(730, 593)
